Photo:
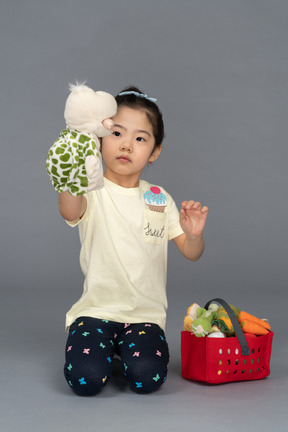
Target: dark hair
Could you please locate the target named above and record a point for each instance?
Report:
(152, 111)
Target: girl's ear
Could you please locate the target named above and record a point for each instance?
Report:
(155, 154)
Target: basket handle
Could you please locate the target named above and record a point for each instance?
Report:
(238, 330)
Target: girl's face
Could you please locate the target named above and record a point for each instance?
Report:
(129, 148)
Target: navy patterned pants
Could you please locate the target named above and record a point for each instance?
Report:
(92, 344)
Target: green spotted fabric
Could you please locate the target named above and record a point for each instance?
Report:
(65, 162)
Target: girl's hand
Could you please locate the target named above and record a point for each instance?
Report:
(193, 218)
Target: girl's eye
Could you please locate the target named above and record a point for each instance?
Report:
(116, 133)
(141, 139)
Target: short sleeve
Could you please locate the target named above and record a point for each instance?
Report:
(174, 228)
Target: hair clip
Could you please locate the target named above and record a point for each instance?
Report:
(142, 95)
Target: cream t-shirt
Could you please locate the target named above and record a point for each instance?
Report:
(124, 245)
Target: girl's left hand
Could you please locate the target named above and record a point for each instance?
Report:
(193, 218)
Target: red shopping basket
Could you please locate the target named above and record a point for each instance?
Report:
(223, 360)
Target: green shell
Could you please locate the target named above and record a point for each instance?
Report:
(65, 162)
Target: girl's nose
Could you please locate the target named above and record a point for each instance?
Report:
(126, 146)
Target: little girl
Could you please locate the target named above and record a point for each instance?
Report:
(124, 231)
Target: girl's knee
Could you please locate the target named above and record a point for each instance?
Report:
(147, 385)
(85, 382)
(145, 379)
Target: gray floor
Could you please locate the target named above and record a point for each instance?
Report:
(35, 396)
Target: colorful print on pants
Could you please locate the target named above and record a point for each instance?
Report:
(92, 344)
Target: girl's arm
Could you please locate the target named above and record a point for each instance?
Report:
(191, 249)
(71, 207)
(192, 220)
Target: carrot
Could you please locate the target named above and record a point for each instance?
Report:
(243, 316)
(253, 327)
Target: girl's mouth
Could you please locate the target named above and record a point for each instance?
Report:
(123, 159)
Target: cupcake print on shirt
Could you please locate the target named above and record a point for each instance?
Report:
(155, 199)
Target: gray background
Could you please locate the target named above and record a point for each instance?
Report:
(219, 71)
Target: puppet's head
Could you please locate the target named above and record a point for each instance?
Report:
(88, 111)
